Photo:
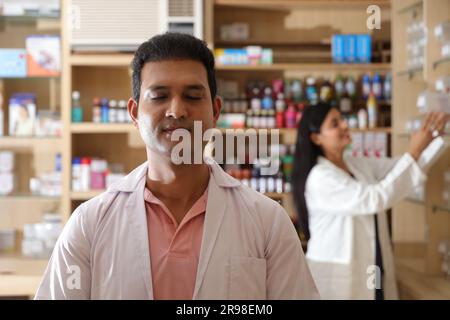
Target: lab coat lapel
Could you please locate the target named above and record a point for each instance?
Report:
(135, 208)
(215, 210)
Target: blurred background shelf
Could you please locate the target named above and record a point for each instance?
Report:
(95, 60)
(27, 142)
(102, 127)
(316, 67)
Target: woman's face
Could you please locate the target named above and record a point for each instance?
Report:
(334, 135)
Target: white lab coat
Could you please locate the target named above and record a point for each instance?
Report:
(341, 220)
(249, 250)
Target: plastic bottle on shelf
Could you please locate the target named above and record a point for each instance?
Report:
(387, 87)
(350, 87)
(339, 87)
(271, 122)
(277, 87)
(366, 87)
(290, 116)
(311, 91)
(267, 101)
(279, 182)
(326, 91)
(112, 115)
(255, 102)
(362, 118)
(77, 111)
(377, 86)
(85, 181)
(280, 103)
(105, 110)
(296, 90)
(372, 111)
(96, 111)
(122, 115)
(254, 180)
(76, 174)
(98, 169)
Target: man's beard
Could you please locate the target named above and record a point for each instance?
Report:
(150, 138)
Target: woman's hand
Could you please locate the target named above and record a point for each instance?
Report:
(432, 127)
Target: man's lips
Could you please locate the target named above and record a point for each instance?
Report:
(172, 129)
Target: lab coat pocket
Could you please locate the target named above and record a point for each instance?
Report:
(247, 278)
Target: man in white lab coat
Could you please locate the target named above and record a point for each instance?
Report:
(167, 231)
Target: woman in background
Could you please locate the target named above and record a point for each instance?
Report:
(341, 202)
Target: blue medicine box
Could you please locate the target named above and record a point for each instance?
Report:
(364, 48)
(337, 48)
(350, 48)
(13, 63)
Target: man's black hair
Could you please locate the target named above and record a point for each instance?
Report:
(173, 46)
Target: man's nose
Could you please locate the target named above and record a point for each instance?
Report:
(177, 109)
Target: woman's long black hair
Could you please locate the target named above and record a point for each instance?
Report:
(306, 154)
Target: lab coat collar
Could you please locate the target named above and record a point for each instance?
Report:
(131, 182)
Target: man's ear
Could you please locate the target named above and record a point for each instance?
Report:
(315, 138)
(133, 110)
(217, 106)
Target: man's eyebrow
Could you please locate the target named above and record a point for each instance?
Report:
(158, 87)
(195, 87)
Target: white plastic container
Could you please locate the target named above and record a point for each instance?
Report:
(442, 31)
(362, 118)
(430, 101)
(6, 161)
(442, 84)
(6, 183)
(7, 240)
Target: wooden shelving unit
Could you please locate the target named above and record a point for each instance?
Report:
(95, 60)
(108, 75)
(19, 276)
(418, 226)
(316, 67)
(101, 128)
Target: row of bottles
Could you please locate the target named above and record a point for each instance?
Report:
(103, 110)
(250, 174)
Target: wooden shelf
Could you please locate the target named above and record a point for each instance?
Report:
(385, 130)
(441, 61)
(32, 78)
(289, 131)
(107, 60)
(90, 127)
(439, 208)
(27, 142)
(415, 201)
(84, 195)
(410, 8)
(293, 4)
(321, 67)
(20, 276)
(28, 197)
(411, 72)
(415, 284)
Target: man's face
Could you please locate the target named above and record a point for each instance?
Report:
(174, 94)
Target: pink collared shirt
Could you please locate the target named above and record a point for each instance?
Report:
(174, 249)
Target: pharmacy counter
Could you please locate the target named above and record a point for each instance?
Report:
(413, 284)
(19, 276)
